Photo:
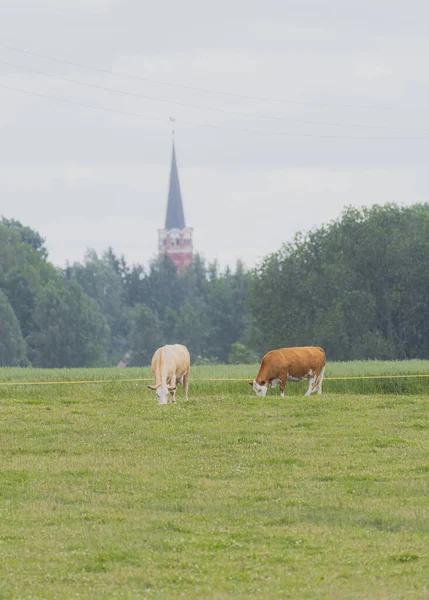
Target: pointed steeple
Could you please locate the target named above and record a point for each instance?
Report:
(175, 240)
(175, 218)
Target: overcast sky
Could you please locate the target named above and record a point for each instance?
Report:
(286, 112)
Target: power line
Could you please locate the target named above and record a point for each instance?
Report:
(208, 125)
(210, 91)
(200, 107)
(142, 96)
(81, 104)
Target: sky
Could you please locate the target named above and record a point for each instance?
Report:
(286, 112)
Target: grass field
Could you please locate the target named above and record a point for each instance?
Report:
(104, 494)
(232, 378)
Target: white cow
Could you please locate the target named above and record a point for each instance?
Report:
(170, 366)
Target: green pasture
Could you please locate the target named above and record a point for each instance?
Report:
(233, 378)
(104, 494)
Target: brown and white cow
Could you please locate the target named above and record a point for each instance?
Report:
(291, 364)
(170, 366)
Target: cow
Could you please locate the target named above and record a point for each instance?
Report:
(291, 364)
(170, 366)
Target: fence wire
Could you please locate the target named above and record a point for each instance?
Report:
(83, 381)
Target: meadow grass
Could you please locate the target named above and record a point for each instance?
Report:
(216, 378)
(105, 494)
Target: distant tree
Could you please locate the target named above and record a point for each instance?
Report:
(227, 309)
(23, 269)
(28, 236)
(358, 286)
(145, 336)
(87, 313)
(12, 344)
(192, 328)
(70, 330)
(164, 287)
(21, 286)
(241, 355)
(101, 279)
(194, 281)
(136, 286)
(170, 325)
(117, 264)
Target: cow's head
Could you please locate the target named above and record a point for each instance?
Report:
(259, 388)
(162, 392)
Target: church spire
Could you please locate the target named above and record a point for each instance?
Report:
(175, 240)
(175, 218)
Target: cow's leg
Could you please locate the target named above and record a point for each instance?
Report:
(283, 386)
(312, 378)
(319, 381)
(185, 379)
(173, 394)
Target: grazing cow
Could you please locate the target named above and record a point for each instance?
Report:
(293, 364)
(170, 366)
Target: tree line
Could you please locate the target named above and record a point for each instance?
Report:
(358, 286)
(104, 311)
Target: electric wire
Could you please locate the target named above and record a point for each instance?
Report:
(206, 108)
(216, 125)
(210, 91)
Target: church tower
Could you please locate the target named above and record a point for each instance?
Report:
(175, 240)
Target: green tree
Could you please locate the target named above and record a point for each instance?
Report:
(145, 336)
(70, 330)
(358, 286)
(193, 280)
(164, 287)
(241, 355)
(169, 325)
(12, 344)
(28, 236)
(229, 321)
(192, 328)
(23, 269)
(101, 280)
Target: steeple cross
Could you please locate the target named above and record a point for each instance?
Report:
(173, 121)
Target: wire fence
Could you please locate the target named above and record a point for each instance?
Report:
(198, 379)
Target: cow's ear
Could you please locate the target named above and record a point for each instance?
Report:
(151, 387)
(250, 382)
